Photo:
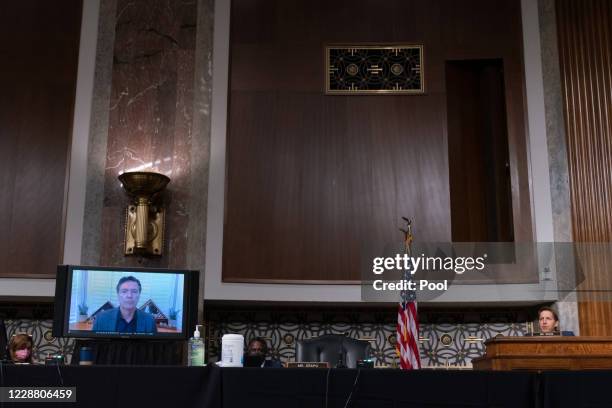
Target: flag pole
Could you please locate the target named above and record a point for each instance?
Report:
(407, 344)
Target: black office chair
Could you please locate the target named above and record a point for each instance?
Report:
(334, 349)
(3, 341)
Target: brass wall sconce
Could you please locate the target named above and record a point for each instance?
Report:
(144, 222)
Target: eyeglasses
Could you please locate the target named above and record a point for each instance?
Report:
(22, 334)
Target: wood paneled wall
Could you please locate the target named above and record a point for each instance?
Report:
(314, 182)
(39, 54)
(585, 50)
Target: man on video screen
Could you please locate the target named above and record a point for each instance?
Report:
(126, 318)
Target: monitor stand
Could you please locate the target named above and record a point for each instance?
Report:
(132, 352)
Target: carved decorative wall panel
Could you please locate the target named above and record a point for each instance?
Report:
(447, 338)
(371, 69)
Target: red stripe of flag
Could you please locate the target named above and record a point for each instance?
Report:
(407, 336)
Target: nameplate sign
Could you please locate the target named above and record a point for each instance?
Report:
(305, 364)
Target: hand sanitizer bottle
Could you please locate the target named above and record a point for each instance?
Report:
(195, 349)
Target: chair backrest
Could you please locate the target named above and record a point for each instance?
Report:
(3, 341)
(332, 348)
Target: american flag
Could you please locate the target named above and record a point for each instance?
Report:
(407, 344)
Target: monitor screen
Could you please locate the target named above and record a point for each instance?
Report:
(126, 302)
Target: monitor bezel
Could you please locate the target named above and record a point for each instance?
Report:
(63, 293)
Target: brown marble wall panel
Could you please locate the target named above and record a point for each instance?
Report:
(150, 119)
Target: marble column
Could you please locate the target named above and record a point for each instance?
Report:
(558, 163)
(151, 111)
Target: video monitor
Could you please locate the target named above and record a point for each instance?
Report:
(125, 302)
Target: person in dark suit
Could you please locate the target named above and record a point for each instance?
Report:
(126, 318)
(257, 350)
(548, 320)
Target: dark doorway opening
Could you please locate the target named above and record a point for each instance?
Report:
(480, 185)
